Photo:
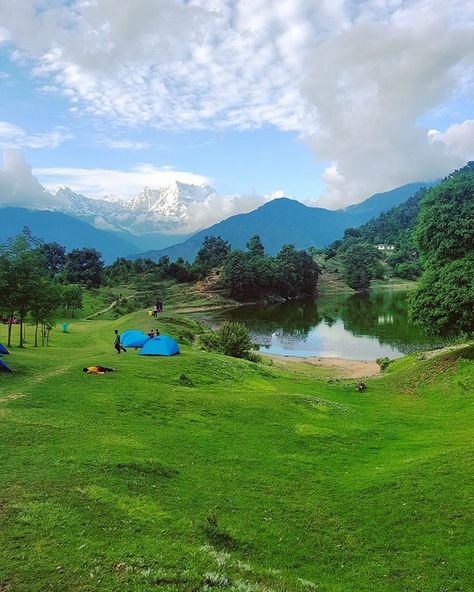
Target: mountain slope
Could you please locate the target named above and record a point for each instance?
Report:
(66, 230)
(288, 221)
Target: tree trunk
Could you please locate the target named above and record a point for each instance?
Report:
(10, 331)
(36, 334)
(21, 330)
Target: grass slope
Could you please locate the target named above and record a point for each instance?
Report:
(253, 479)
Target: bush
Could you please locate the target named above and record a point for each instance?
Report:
(383, 362)
(231, 339)
(235, 340)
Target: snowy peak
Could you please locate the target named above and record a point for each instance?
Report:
(152, 210)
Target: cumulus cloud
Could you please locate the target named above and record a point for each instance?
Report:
(218, 207)
(12, 136)
(370, 85)
(352, 77)
(19, 187)
(97, 183)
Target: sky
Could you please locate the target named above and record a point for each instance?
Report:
(325, 101)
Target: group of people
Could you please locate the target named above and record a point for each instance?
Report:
(9, 320)
(119, 348)
(158, 307)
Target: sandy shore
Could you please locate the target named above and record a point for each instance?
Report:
(343, 368)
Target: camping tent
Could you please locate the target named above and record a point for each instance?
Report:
(128, 332)
(3, 349)
(163, 345)
(4, 367)
(134, 339)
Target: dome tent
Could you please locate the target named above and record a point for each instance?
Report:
(133, 339)
(3, 350)
(4, 367)
(163, 345)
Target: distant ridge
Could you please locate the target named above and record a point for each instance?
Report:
(65, 230)
(285, 220)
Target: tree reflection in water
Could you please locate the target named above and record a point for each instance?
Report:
(374, 324)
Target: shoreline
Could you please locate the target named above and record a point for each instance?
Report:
(344, 367)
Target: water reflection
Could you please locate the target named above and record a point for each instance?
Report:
(356, 327)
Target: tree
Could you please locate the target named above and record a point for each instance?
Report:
(255, 246)
(54, 256)
(444, 236)
(361, 265)
(71, 298)
(213, 252)
(297, 273)
(44, 307)
(25, 265)
(85, 266)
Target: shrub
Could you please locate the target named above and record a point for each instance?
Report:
(234, 339)
(383, 362)
(231, 339)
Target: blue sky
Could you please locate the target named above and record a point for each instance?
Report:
(329, 100)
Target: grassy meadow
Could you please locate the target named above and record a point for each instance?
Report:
(241, 477)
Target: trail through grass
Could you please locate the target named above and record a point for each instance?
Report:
(247, 478)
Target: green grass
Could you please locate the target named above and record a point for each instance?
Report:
(256, 478)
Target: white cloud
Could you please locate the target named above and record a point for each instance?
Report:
(12, 136)
(458, 138)
(127, 144)
(352, 76)
(18, 186)
(97, 183)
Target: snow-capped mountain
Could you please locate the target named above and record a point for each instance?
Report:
(153, 210)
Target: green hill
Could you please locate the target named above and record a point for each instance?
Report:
(255, 478)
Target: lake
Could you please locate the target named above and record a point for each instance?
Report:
(358, 327)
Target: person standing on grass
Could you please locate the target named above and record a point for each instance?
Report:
(118, 346)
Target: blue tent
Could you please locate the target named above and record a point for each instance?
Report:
(4, 367)
(128, 332)
(3, 349)
(134, 339)
(163, 345)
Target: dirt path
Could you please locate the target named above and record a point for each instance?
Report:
(110, 307)
(343, 368)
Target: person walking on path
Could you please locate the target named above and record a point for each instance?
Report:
(155, 311)
(118, 346)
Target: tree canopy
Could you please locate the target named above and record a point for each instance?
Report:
(444, 236)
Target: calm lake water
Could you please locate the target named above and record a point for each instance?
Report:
(358, 327)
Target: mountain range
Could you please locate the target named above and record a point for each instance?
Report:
(152, 211)
(284, 221)
(149, 225)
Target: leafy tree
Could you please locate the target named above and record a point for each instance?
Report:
(54, 256)
(43, 309)
(361, 265)
(213, 252)
(444, 236)
(297, 273)
(85, 266)
(71, 298)
(255, 246)
(24, 265)
(248, 277)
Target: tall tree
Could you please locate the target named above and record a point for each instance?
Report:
(361, 265)
(213, 252)
(255, 246)
(85, 266)
(54, 256)
(443, 303)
